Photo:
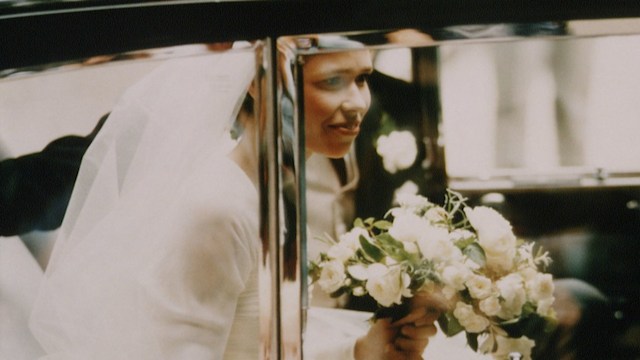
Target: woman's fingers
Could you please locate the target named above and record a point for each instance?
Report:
(418, 332)
(413, 340)
(391, 353)
(419, 316)
(429, 299)
(426, 307)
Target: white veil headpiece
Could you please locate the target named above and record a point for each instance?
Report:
(164, 127)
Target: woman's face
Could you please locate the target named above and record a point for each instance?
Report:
(336, 97)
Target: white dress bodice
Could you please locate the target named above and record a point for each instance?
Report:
(176, 279)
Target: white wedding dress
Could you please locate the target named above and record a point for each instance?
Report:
(158, 253)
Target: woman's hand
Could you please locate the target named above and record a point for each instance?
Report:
(378, 343)
(386, 341)
(407, 338)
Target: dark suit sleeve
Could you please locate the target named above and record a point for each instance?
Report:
(35, 188)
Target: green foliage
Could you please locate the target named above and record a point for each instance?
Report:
(382, 225)
(422, 271)
(449, 324)
(472, 341)
(371, 252)
(474, 252)
(392, 247)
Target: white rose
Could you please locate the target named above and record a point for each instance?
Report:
(479, 286)
(408, 227)
(511, 288)
(348, 244)
(398, 150)
(490, 306)
(540, 287)
(352, 237)
(340, 252)
(494, 235)
(435, 245)
(528, 273)
(413, 202)
(408, 190)
(449, 292)
(332, 276)
(471, 321)
(358, 272)
(463, 311)
(545, 307)
(502, 263)
(522, 345)
(387, 285)
(460, 234)
(411, 247)
(456, 276)
(359, 291)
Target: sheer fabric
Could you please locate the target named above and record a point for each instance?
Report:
(157, 253)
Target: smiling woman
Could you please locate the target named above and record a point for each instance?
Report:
(336, 99)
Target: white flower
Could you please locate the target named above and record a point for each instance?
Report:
(412, 202)
(358, 272)
(436, 214)
(490, 306)
(359, 291)
(512, 290)
(449, 292)
(479, 286)
(522, 345)
(411, 247)
(494, 235)
(471, 321)
(456, 276)
(408, 227)
(332, 276)
(435, 245)
(528, 273)
(540, 287)
(398, 150)
(408, 190)
(545, 307)
(348, 244)
(460, 234)
(387, 285)
(525, 252)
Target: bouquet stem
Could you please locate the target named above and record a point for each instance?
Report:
(395, 312)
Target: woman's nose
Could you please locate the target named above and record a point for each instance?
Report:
(357, 100)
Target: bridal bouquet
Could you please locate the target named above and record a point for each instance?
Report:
(495, 284)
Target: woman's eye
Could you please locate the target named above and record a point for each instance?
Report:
(333, 82)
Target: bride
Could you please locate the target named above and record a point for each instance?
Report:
(158, 253)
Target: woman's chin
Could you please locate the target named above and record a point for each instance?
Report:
(337, 153)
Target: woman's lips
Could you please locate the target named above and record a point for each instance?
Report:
(350, 129)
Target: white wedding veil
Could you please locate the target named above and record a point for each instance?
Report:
(171, 123)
